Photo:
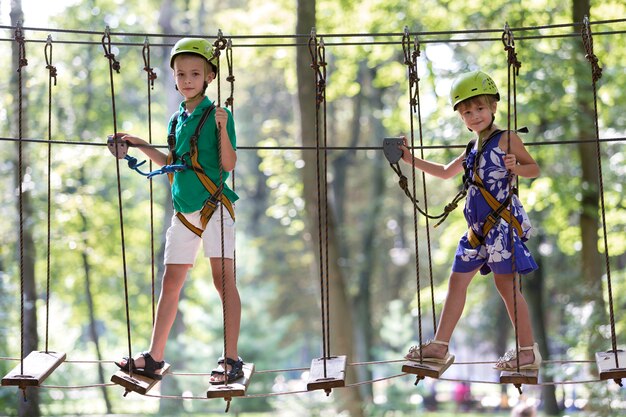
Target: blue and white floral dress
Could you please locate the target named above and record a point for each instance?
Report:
(495, 252)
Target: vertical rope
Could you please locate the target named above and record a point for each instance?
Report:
(114, 65)
(52, 74)
(416, 54)
(513, 71)
(220, 44)
(409, 61)
(150, 77)
(314, 49)
(229, 102)
(22, 62)
(596, 74)
(322, 61)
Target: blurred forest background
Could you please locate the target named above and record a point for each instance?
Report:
(371, 236)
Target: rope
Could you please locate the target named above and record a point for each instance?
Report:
(114, 65)
(330, 148)
(286, 370)
(367, 36)
(22, 62)
(219, 45)
(411, 63)
(318, 64)
(52, 72)
(596, 74)
(322, 60)
(229, 102)
(449, 208)
(513, 70)
(150, 78)
(356, 384)
(415, 104)
(231, 78)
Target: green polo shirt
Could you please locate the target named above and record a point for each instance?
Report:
(188, 193)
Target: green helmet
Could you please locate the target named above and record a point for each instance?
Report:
(472, 84)
(196, 46)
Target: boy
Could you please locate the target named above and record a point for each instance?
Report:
(197, 193)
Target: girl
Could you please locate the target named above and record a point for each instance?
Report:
(486, 246)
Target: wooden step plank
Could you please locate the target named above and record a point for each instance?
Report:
(335, 373)
(234, 389)
(526, 376)
(37, 367)
(607, 367)
(138, 383)
(427, 369)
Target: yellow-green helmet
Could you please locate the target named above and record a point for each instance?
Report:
(472, 84)
(196, 46)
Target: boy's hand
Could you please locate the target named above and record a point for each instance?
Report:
(221, 117)
(130, 139)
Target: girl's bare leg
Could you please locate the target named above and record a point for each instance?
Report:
(504, 284)
(451, 313)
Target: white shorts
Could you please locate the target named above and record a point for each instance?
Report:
(181, 244)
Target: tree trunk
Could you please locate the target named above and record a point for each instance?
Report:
(363, 302)
(93, 330)
(591, 258)
(339, 312)
(83, 125)
(589, 222)
(26, 255)
(533, 287)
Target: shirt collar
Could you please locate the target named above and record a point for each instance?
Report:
(204, 104)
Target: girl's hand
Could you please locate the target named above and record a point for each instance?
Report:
(510, 161)
(406, 153)
(221, 117)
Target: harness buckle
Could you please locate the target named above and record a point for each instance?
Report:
(493, 217)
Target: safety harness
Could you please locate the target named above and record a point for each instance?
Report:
(499, 210)
(216, 195)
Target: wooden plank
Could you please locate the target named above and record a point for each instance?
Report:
(335, 376)
(607, 367)
(137, 383)
(234, 389)
(37, 367)
(526, 376)
(427, 369)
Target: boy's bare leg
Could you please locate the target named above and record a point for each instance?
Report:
(167, 307)
(451, 313)
(504, 284)
(232, 305)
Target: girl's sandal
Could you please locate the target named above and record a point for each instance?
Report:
(508, 362)
(415, 353)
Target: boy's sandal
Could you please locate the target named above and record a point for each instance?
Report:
(415, 353)
(149, 369)
(234, 373)
(508, 362)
